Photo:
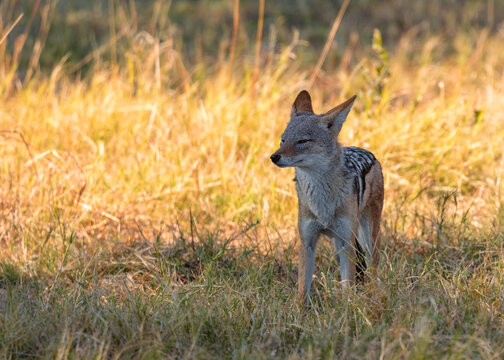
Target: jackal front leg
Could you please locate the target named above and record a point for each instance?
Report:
(309, 231)
(343, 235)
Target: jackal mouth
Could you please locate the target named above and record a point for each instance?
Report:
(291, 164)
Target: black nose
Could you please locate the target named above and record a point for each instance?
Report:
(275, 158)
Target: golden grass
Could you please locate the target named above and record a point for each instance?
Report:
(116, 147)
(144, 152)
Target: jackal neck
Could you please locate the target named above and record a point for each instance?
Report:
(323, 189)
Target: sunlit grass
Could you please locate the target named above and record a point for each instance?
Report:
(140, 215)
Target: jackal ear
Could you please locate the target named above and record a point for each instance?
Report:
(302, 103)
(335, 117)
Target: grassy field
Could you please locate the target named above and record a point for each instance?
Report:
(141, 217)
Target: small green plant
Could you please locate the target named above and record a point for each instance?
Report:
(376, 75)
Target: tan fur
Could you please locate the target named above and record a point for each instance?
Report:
(303, 103)
(374, 180)
(287, 150)
(341, 106)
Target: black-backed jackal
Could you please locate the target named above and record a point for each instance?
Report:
(340, 191)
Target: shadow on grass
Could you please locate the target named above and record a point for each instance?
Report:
(134, 300)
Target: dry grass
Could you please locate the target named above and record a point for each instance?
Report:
(140, 215)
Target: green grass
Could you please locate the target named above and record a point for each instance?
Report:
(211, 301)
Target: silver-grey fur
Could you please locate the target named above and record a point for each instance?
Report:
(340, 189)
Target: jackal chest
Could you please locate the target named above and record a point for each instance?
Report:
(323, 199)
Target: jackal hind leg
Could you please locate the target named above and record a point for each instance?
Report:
(375, 234)
(365, 239)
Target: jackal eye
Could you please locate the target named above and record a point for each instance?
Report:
(282, 141)
(304, 141)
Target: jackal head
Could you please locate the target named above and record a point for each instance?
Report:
(311, 140)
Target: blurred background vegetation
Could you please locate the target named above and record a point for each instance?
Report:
(202, 30)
